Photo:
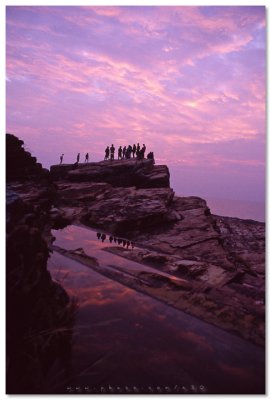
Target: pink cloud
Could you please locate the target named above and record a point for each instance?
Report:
(174, 77)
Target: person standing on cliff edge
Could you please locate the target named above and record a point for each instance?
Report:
(78, 157)
(134, 150)
(112, 152)
(106, 153)
(86, 158)
(61, 158)
(143, 150)
(120, 153)
(124, 152)
(137, 149)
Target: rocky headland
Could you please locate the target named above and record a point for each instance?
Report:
(209, 266)
(215, 265)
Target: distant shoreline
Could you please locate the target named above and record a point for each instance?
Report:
(237, 208)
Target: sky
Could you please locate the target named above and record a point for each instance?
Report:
(189, 82)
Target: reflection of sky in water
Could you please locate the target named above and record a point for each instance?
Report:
(74, 237)
(124, 337)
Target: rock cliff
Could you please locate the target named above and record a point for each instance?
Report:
(119, 196)
(37, 307)
(121, 173)
(221, 259)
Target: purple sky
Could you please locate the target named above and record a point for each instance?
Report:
(189, 82)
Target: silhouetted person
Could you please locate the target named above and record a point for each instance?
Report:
(106, 153)
(78, 158)
(137, 149)
(128, 244)
(112, 152)
(150, 156)
(86, 158)
(143, 150)
(133, 245)
(110, 239)
(124, 243)
(98, 235)
(119, 241)
(140, 154)
(124, 152)
(103, 237)
(115, 240)
(61, 158)
(120, 153)
(129, 151)
(134, 150)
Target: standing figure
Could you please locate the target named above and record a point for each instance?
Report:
(140, 154)
(143, 150)
(78, 157)
(120, 153)
(129, 151)
(86, 158)
(106, 153)
(137, 149)
(134, 150)
(112, 152)
(124, 152)
(61, 158)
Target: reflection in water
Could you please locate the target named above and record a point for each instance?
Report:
(126, 339)
(123, 242)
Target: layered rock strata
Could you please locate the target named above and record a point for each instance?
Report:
(221, 259)
(123, 173)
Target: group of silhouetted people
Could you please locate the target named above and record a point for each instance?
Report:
(127, 152)
(77, 158)
(123, 242)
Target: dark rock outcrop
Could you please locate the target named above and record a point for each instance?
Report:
(121, 210)
(123, 173)
(20, 164)
(117, 196)
(36, 307)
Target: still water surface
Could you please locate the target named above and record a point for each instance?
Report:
(126, 339)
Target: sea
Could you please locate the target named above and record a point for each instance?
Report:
(237, 208)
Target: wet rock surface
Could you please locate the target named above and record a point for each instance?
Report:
(221, 258)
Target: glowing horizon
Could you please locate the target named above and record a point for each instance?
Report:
(187, 81)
